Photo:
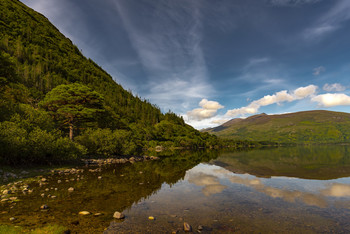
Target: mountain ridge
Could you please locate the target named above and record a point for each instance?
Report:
(315, 126)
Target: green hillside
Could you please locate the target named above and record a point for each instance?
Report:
(37, 63)
(302, 127)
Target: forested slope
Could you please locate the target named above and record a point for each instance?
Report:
(35, 58)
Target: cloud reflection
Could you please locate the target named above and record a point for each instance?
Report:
(210, 182)
(337, 190)
(286, 195)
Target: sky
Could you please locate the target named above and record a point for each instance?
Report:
(211, 61)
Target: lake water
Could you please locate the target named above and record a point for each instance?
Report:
(279, 190)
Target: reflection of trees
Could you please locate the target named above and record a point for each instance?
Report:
(309, 162)
(121, 186)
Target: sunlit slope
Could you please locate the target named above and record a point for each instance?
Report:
(301, 127)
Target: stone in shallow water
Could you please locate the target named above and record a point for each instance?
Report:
(187, 227)
(118, 215)
(84, 213)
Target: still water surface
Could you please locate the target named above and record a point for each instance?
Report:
(280, 190)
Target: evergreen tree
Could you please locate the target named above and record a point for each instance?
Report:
(73, 103)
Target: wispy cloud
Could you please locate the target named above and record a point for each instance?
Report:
(169, 48)
(329, 22)
(277, 98)
(318, 70)
(292, 2)
(336, 87)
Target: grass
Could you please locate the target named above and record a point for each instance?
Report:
(49, 229)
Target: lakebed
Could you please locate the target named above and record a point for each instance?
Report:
(289, 190)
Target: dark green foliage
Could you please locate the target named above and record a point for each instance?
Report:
(46, 84)
(72, 104)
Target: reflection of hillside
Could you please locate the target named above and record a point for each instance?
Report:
(120, 187)
(319, 162)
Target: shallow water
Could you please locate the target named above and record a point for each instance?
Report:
(281, 190)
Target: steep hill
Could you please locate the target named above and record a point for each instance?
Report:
(317, 126)
(35, 58)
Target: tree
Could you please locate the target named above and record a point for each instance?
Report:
(73, 103)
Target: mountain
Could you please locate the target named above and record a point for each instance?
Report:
(35, 59)
(317, 126)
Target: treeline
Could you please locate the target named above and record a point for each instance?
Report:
(35, 61)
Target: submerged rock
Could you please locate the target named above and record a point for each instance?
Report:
(84, 213)
(118, 215)
(187, 227)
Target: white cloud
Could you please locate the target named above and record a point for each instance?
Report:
(277, 98)
(304, 92)
(336, 87)
(209, 109)
(332, 99)
(318, 70)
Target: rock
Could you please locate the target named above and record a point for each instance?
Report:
(59, 181)
(100, 177)
(7, 191)
(42, 195)
(47, 189)
(187, 227)
(151, 218)
(44, 207)
(84, 213)
(12, 219)
(43, 179)
(118, 215)
(71, 189)
(53, 196)
(98, 214)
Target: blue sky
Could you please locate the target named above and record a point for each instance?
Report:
(211, 61)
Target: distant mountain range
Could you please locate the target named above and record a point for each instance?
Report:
(317, 126)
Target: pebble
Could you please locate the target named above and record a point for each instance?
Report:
(84, 213)
(118, 215)
(12, 219)
(100, 177)
(59, 181)
(187, 227)
(44, 207)
(6, 191)
(71, 189)
(43, 179)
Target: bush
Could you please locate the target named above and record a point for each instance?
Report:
(38, 146)
(105, 142)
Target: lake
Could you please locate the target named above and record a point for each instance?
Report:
(275, 190)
